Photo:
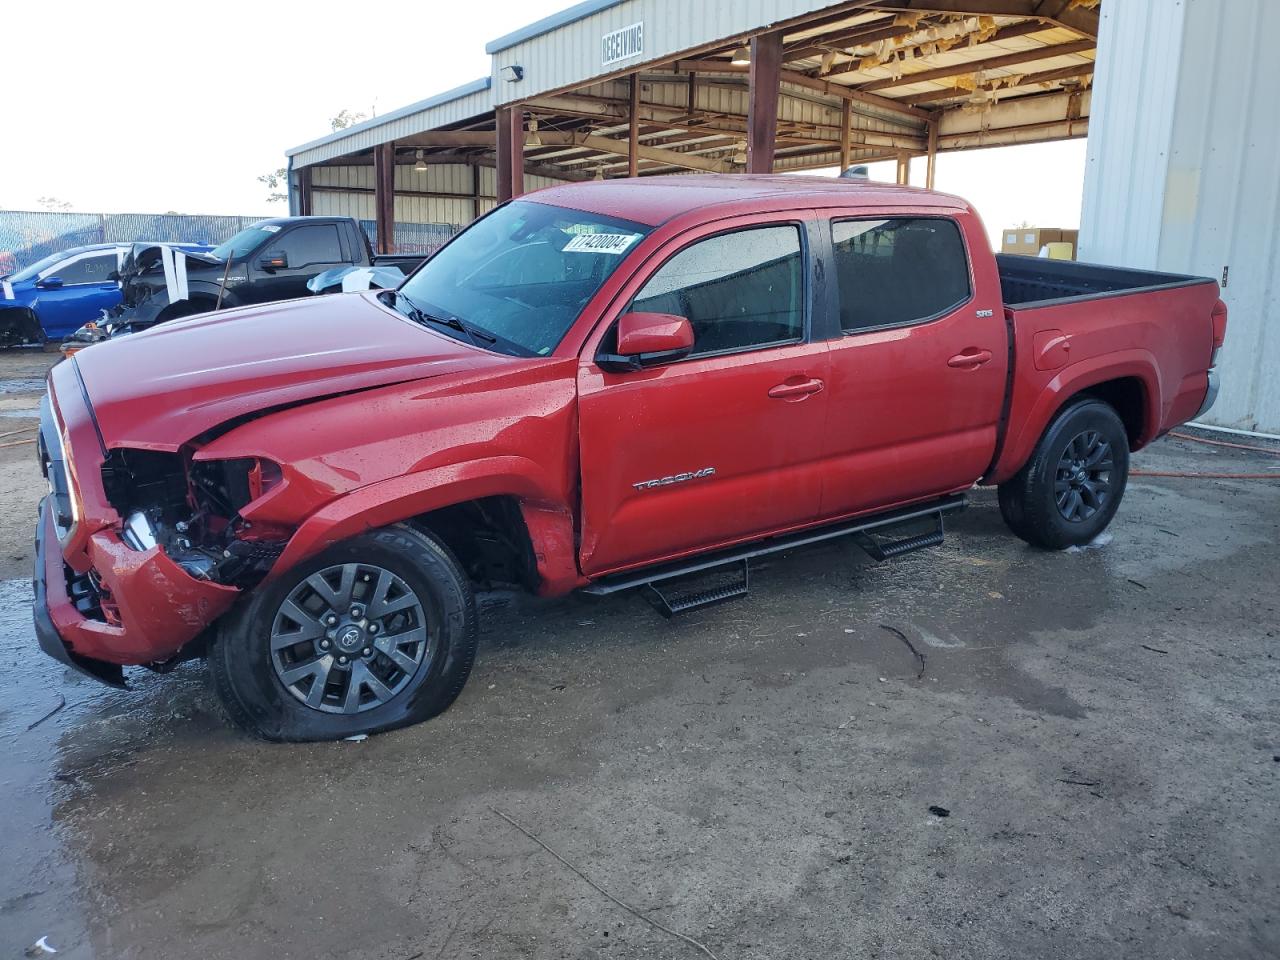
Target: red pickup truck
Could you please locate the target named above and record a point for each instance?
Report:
(598, 386)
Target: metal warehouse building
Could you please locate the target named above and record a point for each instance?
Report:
(1176, 96)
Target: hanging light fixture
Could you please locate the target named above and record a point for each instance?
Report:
(599, 173)
(532, 139)
(741, 57)
(740, 153)
(421, 165)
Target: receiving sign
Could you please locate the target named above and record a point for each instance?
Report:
(623, 44)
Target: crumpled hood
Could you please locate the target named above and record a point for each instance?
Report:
(160, 388)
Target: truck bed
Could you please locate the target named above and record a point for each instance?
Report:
(1036, 281)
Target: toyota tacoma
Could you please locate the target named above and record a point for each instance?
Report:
(599, 386)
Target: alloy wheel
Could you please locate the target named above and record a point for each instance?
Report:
(348, 638)
(1082, 483)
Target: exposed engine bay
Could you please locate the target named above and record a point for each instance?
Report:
(191, 510)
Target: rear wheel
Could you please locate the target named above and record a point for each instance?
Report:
(376, 632)
(1071, 487)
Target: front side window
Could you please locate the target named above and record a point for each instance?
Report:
(523, 274)
(313, 243)
(898, 271)
(88, 270)
(246, 241)
(738, 290)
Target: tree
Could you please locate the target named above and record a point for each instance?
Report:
(273, 182)
(346, 118)
(54, 204)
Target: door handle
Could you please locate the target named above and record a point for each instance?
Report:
(970, 358)
(795, 391)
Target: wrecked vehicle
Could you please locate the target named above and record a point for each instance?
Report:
(55, 295)
(600, 386)
(356, 279)
(271, 260)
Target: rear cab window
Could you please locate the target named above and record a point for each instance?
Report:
(898, 271)
(740, 290)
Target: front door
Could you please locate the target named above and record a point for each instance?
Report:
(721, 446)
(88, 287)
(309, 249)
(919, 364)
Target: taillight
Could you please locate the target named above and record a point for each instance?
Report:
(1219, 317)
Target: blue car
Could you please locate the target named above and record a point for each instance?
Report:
(54, 297)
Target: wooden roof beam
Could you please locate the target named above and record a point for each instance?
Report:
(972, 66)
(1031, 79)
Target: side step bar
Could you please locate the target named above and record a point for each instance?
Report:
(669, 603)
(862, 527)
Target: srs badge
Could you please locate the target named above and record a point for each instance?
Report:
(675, 478)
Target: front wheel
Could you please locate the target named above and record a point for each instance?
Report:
(376, 632)
(1071, 487)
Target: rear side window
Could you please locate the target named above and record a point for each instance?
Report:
(314, 243)
(738, 290)
(898, 271)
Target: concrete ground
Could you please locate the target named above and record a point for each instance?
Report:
(1101, 725)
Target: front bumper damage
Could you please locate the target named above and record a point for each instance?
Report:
(99, 603)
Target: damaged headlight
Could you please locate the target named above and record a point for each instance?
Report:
(138, 531)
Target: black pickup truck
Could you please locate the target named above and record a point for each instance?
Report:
(271, 260)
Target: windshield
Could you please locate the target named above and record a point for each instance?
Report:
(523, 273)
(244, 242)
(28, 272)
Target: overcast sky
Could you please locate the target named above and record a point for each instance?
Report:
(180, 106)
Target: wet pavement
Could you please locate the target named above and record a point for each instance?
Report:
(1101, 726)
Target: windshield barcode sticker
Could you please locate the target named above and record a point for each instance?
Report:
(611, 243)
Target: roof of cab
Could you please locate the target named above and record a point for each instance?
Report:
(653, 200)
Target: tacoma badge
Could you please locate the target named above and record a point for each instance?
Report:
(675, 478)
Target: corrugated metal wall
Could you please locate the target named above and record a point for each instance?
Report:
(348, 192)
(572, 55)
(1182, 170)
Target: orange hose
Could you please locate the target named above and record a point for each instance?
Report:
(1223, 443)
(17, 443)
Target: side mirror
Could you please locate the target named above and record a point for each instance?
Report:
(274, 261)
(648, 340)
(50, 283)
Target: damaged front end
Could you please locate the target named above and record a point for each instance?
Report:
(152, 279)
(190, 510)
(140, 551)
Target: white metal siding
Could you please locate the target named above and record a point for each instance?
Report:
(373, 132)
(348, 192)
(1182, 172)
(571, 55)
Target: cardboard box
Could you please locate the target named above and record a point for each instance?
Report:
(1072, 237)
(1027, 241)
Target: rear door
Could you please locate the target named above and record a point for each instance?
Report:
(918, 362)
(723, 445)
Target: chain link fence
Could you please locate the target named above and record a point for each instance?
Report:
(27, 235)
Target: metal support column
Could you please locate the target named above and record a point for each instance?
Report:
(384, 196)
(633, 129)
(846, 147)
(304, 191)
(510, 152)
(932, 155)
(904, 168)
(762, 110)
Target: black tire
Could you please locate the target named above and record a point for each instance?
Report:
(184, 308)
(1030, 501)
(246, 668)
